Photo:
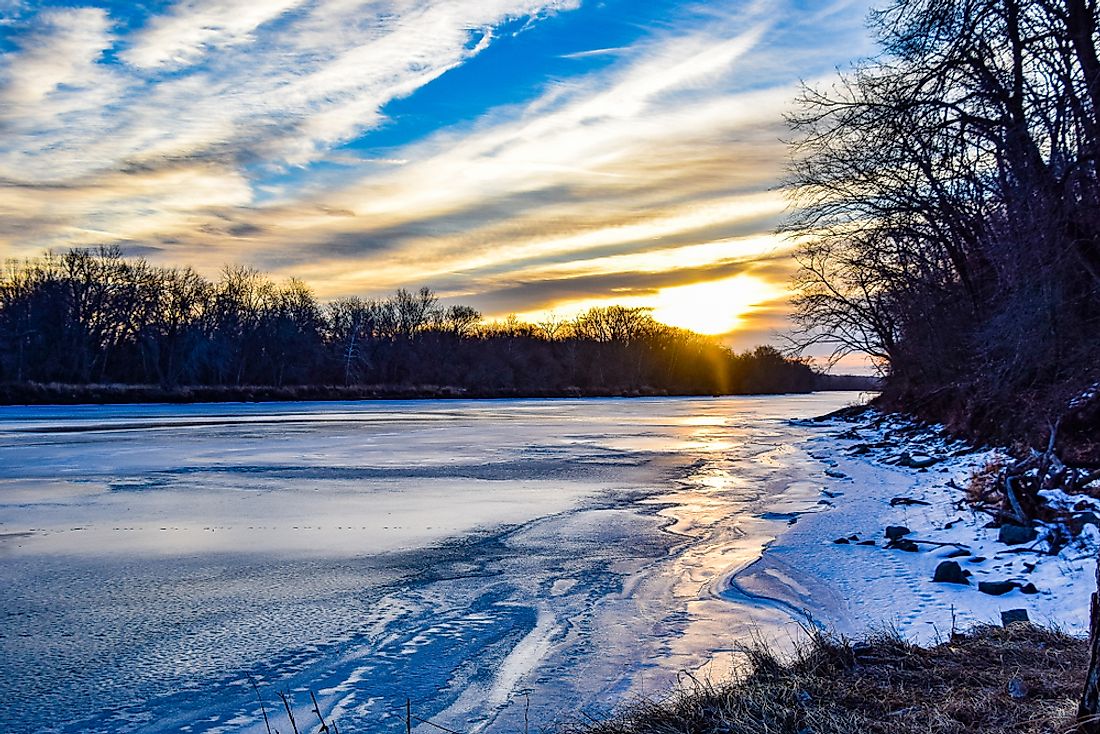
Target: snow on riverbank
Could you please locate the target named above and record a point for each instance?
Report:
(852, 586)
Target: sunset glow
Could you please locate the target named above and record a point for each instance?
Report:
(713, 308)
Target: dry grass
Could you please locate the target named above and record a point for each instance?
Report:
(1022, 680)
(983, 481)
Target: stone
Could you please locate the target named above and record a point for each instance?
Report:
(922, 461)
(996, 588)
(977, 559)
(894, 532)
(1014, 615)
(959, 553)
(950, 572)
(1017, 535)
(866, 542)
(842, 541)
(906, 545)
(1029, 588)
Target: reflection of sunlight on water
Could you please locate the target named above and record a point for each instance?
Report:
(718, 507)
(704, 420)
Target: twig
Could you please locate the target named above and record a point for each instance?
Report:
(263, 709)
(437, 726)
(937, 543)
(317, 710)
(289, 713)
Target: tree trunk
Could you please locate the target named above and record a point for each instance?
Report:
(1088, 714)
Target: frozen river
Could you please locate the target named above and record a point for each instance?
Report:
(469, 556)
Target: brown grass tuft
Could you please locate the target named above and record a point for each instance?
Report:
(983, 483)
(884, 685)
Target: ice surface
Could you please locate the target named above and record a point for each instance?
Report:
(459, 554)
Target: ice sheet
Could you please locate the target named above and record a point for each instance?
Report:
(155, 558)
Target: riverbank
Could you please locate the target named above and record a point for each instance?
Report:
(883, 475)
(33, 393)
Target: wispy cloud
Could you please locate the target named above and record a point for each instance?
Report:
(216, 132)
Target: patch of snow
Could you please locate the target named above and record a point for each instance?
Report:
(855, 588)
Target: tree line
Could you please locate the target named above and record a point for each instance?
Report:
(947, 201)
(87, 317)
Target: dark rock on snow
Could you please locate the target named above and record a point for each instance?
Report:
(958, 553)
(905, 545)
(1016, 535)
(1028, 588)
(1014, 615)
(894, 532)
(996, 588)
(950, 572)
(916, 461)
(842, 541)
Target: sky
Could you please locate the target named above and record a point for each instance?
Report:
(535, 157)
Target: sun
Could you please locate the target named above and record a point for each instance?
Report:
(715, 307)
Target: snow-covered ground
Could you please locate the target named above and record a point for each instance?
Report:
(852, 588)
(470, 556)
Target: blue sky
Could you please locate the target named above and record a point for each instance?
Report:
(519, 155)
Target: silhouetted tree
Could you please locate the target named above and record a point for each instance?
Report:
(947, 195)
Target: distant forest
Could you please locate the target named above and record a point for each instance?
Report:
(95, 317)
(947, 195)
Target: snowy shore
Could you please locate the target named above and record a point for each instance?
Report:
(832, 563)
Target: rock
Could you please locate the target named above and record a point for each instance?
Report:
(907, 502)
(835, 474)
(895, 532)
(958, 553)
(1017, 535)
(1014, 615)
(1029, 588)
(842, 541)
(1017, 689)
(996, 588)
(949, 572)
(921, 461)
(905, 545)
(1079, 520)
(866, 542)
(977, 559)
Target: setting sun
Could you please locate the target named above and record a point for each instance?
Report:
(716, 307)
